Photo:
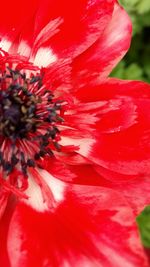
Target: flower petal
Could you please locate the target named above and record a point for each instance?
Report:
(3, 200)
(135, 189)
(136, 192)
(129, 141)
(92, 227)
(14, 16)
(99, 60)
(82, 23)
(111, 88)
(97, 115)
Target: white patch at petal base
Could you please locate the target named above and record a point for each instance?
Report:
(34, 192)
(57, 187)
(35, 199)
(24, 49)
(84, 144)
(5, 44)
(44, 57)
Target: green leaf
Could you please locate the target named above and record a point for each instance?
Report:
(136, 64)
(143, 221)
(133, 72)
(143, 6)
(119, 70)
(144, 19)
(128, 3)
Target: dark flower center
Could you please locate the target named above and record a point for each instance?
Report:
(29, 115)
(17, 112)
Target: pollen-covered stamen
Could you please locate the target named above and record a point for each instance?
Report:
(29, 118)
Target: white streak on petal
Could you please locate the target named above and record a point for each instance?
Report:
(81, 262)
(115, 258)
(123, 217)
(14, 248)
(44, 57)
(84, 144)
(116, 38)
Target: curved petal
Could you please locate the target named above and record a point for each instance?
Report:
(99, 60)
(124, 132)
(130, 151)
(82, 23)
(134, 188)
(92, 227)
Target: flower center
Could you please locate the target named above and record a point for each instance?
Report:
(18, 111)
(29, 118)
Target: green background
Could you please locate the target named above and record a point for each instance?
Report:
(136, 66)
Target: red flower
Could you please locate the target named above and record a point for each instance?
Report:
(71, 138)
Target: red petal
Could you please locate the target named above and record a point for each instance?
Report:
(135, 189)
(83, 22)
(57, 168)
(97, 115)
(111, 88)
(99, 60)
(123, 114)
(136, 192)
(3, 200)
(128, 150)
(92, 227)
(14, 16)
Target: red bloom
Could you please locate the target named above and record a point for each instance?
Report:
(71, 138)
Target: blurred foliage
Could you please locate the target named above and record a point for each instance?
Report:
(136, 64)
(143, 221)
